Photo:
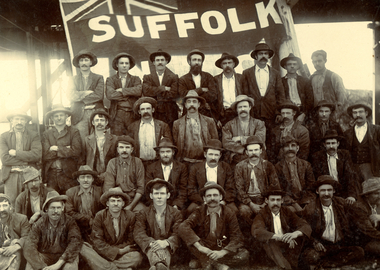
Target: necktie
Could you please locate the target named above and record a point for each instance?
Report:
(330, 226)
(166, 172)
(213, 219)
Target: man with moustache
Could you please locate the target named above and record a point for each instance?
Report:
(364, 215)
(100, 146)
(281, 232)
(321, 123)
(193, 130)
(332, 236)
(162, 85)
(263, 83)
(123, 90)
(126, 172)
(229, 86)
(296, 176)
(212, 233)
(363, 141)
(19, 148)
(288, 127)
(14, 229)
(156, 228)
(147, 131)
(297, 88)
(83, 201)
(170, 170)
(253, 176)
(201, 82)
(30, 201)
(54, 241)
(86, 92)
(61, 151)
(338, 164)
(236, 131)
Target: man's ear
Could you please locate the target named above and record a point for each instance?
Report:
(168, 195)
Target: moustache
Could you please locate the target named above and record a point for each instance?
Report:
(99, 125)
(146, 114)
(243, 112)
(3, 212)
(326, 196)
(213, 161)
(212, 201)
(191, 107)
(264, 59)
(83, 66)
(123, 153)
(228, 68)
(160, 64)
(253, 155)
(290, 151)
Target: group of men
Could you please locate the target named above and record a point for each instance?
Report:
(255, 161)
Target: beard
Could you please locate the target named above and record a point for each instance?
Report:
(196, 69)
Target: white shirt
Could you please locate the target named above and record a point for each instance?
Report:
(331, 161)
(277, 224)
(360, 131)
(293, 91)
(147, 140)
(166, 169)
(197, 80)
(229, 94)
(329, 233)
(262, 78)
(160, 77)
(211, 174)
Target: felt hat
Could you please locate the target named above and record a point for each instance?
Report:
(193, 94)
(371, 185)
(113, 192)
(261, 47)
(5, 196)
(136, 106)
(254, 139)
(214, 144)
(195, 51)
(30, 173)
(159, 53)
(165, 143)
(287, 104)
(241, 98)
(151, 183)
(18, 113)
(332, 134)
(224, 56)
(291, 57)
(57, 108)
(210, 185)
(84, 169)
(100, 111)
(326, 180)
(289, 139)
(325, 103)
(125, 139)
(357, 105)
(273, 190)
(53, 196)
(132, 61)
(85, 53)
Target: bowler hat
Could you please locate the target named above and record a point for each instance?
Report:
(120, 55)
(211, 185)
(153, 55)
(360, 105)
(84, 169)
(325, 103)
(332, 134)
(193, 94)
(261, 47)
(125, 139)
(30, 173)
(254, 139)
(287, 104)
(57, 108)
(53, 196)
(326, 180)
(195, 51)
(291, 57)
(214, 144)
(100, 111)
(136, 106)
(289, 139)
(85, 53)
(224, 56)
(371, 185)
(273, 190)
(241, 98)
(113, 192)
(150, 184)
(18, 113)
(165, 143)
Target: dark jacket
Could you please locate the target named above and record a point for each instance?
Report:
(198, 178)
(146, 228)
(197, 228)
(306, 178)
(347, 174)
(178, 178)
(18, 228)
(23, 205)
(31, 154)
(265, 106)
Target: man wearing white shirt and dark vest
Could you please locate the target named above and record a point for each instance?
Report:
(147, 131)
(332, 235)
(281, 231)
(363, 141)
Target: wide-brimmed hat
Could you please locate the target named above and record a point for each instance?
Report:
(57, 108)
(224, 56)
(132, 61)
(136, 106)
(53, 196)
(273, 190)
(30, 173)
(324, 103)
(159, 53)
(291, 57)
(193, 94)
(287, 104)
(82, 53)
(241, 98)
(326, 180)
(84, 169)
(125, 139)
(364, 105)
(254, 139)
(18, 113)
(213, 144)
(289, 139)
(100, 111)
(165, 143)
(151, 183)
(331, 134)
(371, 185)
(262, 47)
(210, 185)
(195, 51)
(113, 192)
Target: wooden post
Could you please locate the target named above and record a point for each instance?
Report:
(45, 81)
(376, 53)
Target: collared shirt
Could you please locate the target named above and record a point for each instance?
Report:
(292, 166)
(286, 130)
(123, 80)
(219, 212)
(293, 90)
(360, 131)
(211, 174)
(166, 169)
(337, 84)
(100, 166)
(193, 140)
(160, 220)
(329, 234)
(85, 82)
(35, 204)
(253, 189)
(197, 80)
(262, 78)
(277, 224)
(160, 77)
(116, 226)
(87, 201)
(229, 91)
(331, 160)
(147, 140)
(317, 83)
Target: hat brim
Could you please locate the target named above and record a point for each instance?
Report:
(165, 54)
(142, 100)
(201, 99)
(355, 106)
(78, 173)
(54, 199)
(157, 148)
(253, 54)
(125, 141)
(285, 60)
(27, 181)
(104, 198)
(204, 189)
(132, 61)
(288, 106)
(339, 138)
(369, 191)
(200, 53)
(151, 183)
(94, 59)
(218, 62)
(49, 114)
(329, 105)
(274, 192)
(28, 118)
(101, 113)
(250, 100)
(335, 184)
(212, 147)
